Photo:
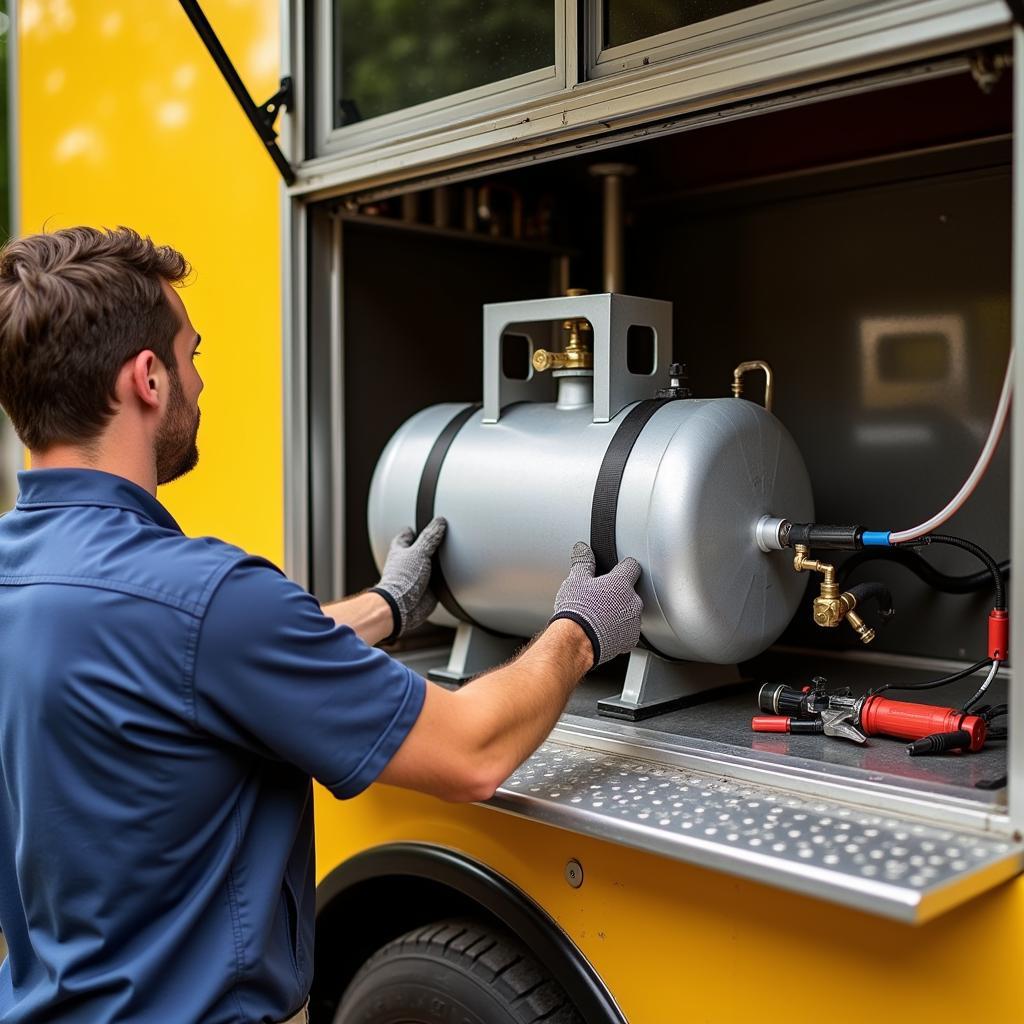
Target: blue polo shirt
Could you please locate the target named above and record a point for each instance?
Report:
(164, 702)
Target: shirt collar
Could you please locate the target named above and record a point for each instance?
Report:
(60, 488)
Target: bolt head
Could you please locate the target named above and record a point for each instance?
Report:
(574, 873)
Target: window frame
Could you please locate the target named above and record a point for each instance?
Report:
(722, 32)
(862, 38)
(490, 98)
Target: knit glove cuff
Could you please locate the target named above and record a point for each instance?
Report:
(405, 581)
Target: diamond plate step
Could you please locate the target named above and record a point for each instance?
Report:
(893, 866)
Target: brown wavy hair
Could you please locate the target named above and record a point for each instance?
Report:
(75, 306)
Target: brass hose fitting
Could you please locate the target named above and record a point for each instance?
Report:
(754, 364)
(830, 606)
(862, 629)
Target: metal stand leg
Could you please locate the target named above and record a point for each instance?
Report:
(653, 685)
(473, 652)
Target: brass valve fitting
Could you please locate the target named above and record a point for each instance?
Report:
(545, 360)
(831, 607)
(575, 356)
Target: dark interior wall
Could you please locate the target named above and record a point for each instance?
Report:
(917, 271)
(412, 338)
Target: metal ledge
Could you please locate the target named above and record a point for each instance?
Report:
(884, 864)
(929, 801)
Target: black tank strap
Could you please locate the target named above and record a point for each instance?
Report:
(425, 505)
(604, 509)
(609, 479)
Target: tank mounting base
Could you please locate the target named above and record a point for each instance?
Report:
(474, 651)
(654, 685)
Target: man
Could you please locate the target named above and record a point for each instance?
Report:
(164, 701)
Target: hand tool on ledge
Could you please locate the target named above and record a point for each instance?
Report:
(817, 710)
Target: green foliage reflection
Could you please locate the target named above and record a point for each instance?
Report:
(394, 54)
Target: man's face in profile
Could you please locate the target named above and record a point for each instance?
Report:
(177, 451)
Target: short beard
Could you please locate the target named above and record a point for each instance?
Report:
(176, 450)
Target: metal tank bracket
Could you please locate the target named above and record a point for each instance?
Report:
(610, 315)
(655, 685)
(474, 651)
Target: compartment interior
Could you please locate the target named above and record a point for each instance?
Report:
(861, 246)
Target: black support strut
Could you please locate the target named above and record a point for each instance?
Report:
(261, 117)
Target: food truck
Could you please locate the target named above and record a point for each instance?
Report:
(729, 287)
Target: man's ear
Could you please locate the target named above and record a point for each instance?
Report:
(147, 377)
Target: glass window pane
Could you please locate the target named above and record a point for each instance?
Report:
(393, 54)
(625, 21)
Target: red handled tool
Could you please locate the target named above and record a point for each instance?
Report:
(814, 710)
(880, 716)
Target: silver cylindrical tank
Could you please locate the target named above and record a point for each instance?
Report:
(517, 495)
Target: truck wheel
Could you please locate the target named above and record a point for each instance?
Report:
(458, 970)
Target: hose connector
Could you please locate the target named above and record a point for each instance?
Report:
(998, 634)
(768, 533)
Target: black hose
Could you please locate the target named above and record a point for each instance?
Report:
(874, 591)
(933, 683)
(983, 556)
(924, 570)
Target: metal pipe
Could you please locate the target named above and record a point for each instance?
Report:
(754, 364)
(612, 176)
(441, 207)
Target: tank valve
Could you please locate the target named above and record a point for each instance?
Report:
(678, 383)
(755, 364)
(830, 606)
(576, 354)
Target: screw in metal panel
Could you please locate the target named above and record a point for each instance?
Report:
(574, 873)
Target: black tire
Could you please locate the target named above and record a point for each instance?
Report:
(455, 972)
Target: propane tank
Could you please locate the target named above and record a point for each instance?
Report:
(682, 492)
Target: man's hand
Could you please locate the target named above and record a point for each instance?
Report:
(606, 607)
(405, 581)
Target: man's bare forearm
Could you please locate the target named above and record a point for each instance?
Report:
(467, 742)
(513, 708)
(368, 614)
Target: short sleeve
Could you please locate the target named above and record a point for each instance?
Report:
(275, 675)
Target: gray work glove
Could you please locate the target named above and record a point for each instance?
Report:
(606, 607)
(405, 581)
